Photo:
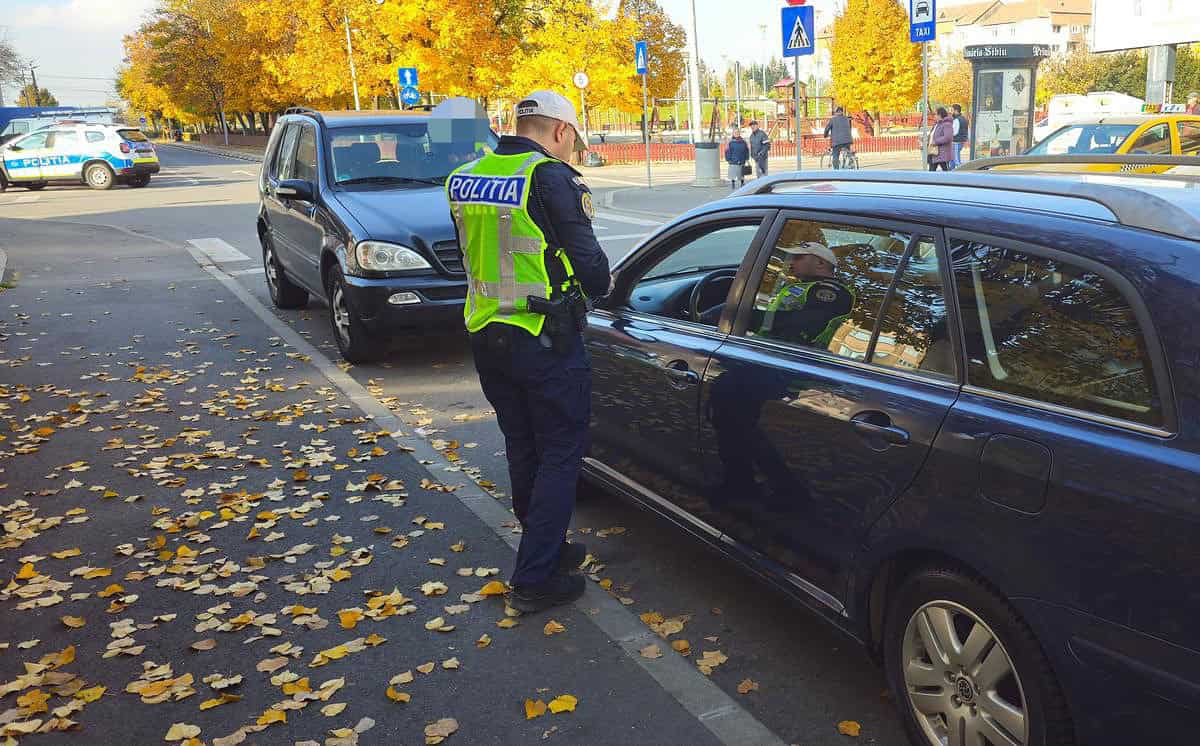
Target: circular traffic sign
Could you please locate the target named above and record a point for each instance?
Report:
(409, 95)
(581, 80)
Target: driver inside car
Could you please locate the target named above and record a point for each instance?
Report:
(811, 304)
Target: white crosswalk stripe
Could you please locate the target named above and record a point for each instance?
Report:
(23, 199)
(217, 250)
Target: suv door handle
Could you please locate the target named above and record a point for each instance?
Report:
(879, 425)
(679, 375)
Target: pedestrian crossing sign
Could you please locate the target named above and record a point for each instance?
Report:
(798, 36)
(639, 53)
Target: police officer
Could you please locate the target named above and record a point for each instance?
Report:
(810, 306)
(524, 221)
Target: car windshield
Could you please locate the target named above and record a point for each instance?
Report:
(132, 135)
(1084, 139)
(417, 152)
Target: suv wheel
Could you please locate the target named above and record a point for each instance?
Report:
(98, 176)
(33, 186)
(140, 180)
(348, 329)
(965, 669)
(284, 294)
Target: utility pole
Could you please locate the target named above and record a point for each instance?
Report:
(697, 103)
(37, 94)
(737, 87)
(350, 54)
(796, 88)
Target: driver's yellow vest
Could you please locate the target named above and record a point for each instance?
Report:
(504, 251)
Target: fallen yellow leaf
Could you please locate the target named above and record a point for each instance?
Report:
(553, 628)
(563, 703)
(483, 641)
(65, 553)
(396, 696)
(534, 708)
(683, 647)
(849, 728)
(90, 695)
(207, 644)
(494, 588)
(349, 617)
(272, 716)
(224, 699)
(74, 622)
(507, 623)
(111, 590)
(27, 571)
(651, 651)
(425, 667)
(333, 709)
(747, 686)
(180, 731)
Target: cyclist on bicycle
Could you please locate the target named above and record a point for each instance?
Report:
(840, 134)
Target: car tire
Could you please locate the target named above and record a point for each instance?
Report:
(284, 293)
(986, 673)
(33, 186)
(99, 176)
(137, 182)
(348, 330)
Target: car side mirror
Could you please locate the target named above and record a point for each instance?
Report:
(295, 189)
(14, 147)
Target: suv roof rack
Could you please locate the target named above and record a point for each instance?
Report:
(1129, 159)
(1132, 207)
(304, 110)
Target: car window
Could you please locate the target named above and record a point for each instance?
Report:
(31, 142)
(1084, 139)
(305, 166)
(805, 300)
(133, 135)
(1189, 138)
(20, 128)
(421, 150)
(665, 287)
(1154, 141)
(63, 140)
(287, 149)
(1053, 331)
(914, 333)
(95, 136)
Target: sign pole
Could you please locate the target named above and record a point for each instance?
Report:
(796, 86)
(925, 101)
(646, 131)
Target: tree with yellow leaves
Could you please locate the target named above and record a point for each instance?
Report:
(875, 67)
(952, 85)
(666, 45)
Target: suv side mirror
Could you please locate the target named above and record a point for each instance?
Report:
(295, 189)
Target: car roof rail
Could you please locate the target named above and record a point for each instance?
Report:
(305, 111)
(1131, 206)
(1127, 159)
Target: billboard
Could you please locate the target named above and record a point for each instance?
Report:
(1130, 24)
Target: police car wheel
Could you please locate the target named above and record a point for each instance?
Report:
(139, 181)
(348, 329)
(99, 176)
(964, 666)
(33, 186)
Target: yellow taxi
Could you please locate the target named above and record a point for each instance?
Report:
(1153, 133)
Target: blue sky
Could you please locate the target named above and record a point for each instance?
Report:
(77, 43)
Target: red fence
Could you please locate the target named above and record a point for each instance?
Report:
(813, 145)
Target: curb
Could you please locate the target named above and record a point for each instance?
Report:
(212, 151)
(727, 720)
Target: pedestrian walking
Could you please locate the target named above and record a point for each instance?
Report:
(962, 134)
(941, 152)
(840, 134)
(760, 148)
(737, 154)
(524, 222)
(1193, 102)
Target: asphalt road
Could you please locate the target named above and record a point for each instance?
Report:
(809, 677)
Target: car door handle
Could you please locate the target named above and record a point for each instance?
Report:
(872, 424)
(680, 375)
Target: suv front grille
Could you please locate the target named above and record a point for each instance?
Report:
(449, 256)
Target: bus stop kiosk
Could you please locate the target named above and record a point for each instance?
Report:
(1004, 79)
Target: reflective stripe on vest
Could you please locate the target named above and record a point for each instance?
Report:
(495, 203)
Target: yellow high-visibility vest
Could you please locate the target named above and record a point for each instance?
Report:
(504, 251)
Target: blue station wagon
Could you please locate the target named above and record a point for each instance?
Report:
(970, 441)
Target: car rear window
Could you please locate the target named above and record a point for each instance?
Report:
(1053, 331)
(133, 135)
(1084, 139)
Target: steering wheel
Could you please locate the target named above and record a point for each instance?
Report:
(694, 311)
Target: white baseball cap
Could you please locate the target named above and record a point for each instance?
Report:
(813, 248)
(555, 106)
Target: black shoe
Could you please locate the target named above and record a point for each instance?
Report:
(559, 589)
(571, 556)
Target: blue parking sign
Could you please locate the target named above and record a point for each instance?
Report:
(798, 36)
(408, 77)
(640, 55)
(922, 20)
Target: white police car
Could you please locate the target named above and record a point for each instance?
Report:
(98, 155)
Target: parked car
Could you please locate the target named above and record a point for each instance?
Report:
(1137, 134)
(353, 211)
(99, 155)
(973, 445)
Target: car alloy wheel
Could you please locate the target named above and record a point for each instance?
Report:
(961, 683)
(341, 315)
(284, 294)
(99, 176)
(350, 332)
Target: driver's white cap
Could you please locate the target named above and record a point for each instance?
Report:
(555, 106)
(814, 248)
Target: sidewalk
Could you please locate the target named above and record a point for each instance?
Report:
(196, 503)
(242, 152)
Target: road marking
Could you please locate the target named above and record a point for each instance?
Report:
(250, 271)
(627, 219)
(217, 251)
(24, 199)
(241, 171)
(3, 263)
(623, 237)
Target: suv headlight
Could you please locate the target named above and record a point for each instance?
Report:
(382, 257)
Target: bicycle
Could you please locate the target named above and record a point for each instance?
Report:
(849, 159)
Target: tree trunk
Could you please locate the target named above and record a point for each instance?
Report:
(265, 119)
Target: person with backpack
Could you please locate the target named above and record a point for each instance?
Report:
(962, 133)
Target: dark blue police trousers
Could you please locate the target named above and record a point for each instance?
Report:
(542, 399)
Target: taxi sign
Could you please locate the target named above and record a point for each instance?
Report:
(1164, 108)
(798, 36)
(922, 23)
